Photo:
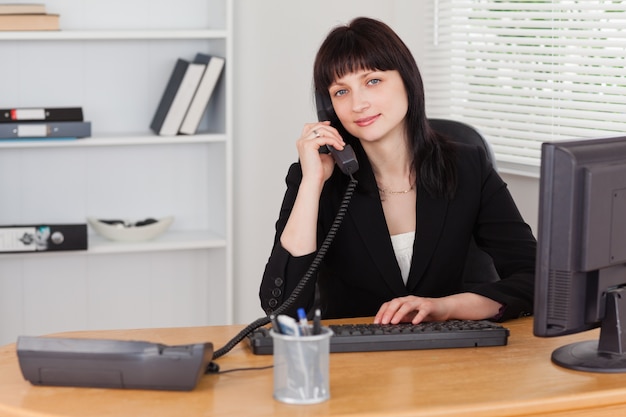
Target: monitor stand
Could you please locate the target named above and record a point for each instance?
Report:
(608, 354)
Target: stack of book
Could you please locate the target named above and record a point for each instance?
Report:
(27, 16)
(187, 95)
(43, 123)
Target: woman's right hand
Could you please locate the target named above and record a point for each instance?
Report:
(299, 236)
(315, 165)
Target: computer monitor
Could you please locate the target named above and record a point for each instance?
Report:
(581, 251)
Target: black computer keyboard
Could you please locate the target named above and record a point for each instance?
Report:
(377, 337)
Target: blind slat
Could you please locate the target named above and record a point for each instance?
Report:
(546, 5)
(534, 122)
(482, 35)
(508, 56)
(491, 25)
(604, 99)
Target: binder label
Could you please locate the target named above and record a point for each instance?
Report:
(32, 131)
(18, 239)
(28, 114)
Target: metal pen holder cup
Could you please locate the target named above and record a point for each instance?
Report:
(301, 367)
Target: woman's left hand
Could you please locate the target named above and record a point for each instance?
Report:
(414, 309)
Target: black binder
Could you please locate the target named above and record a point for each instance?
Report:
(43, 238)
(52, 114)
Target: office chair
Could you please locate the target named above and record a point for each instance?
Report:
(479, 266)
(463, 133)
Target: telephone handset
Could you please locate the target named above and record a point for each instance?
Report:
(345, 159)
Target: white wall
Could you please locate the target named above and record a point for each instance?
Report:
(525, 191)
(275, 44)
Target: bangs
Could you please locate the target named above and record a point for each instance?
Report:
(342, 55)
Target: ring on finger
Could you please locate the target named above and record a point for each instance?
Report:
(316, 133)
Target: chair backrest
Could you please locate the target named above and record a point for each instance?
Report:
(464, 133)
(479, 266)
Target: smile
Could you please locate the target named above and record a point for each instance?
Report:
(366, 121)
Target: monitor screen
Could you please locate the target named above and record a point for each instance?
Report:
(581, 251)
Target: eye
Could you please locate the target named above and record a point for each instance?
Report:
(374, 81)
(340, 93)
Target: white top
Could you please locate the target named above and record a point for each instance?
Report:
(403, 248)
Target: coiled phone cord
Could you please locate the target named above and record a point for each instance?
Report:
(262, 321)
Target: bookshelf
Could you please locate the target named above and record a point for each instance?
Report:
(114, 59)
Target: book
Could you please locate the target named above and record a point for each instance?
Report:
(25, 8)
(45, 130)
(74, 114)
(176, 98)
(200, 101)
(29, 22)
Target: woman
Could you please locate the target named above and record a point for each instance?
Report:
(400, 251)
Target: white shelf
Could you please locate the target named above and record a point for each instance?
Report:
(142, 139)
(64, 35)
(169, 241)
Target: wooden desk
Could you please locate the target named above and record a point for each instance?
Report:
(517, 379)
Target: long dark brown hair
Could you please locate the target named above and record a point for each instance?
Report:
(368, 44)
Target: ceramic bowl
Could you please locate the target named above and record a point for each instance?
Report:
(125, 231)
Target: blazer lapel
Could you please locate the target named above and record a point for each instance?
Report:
(369, 220)
(431, 214)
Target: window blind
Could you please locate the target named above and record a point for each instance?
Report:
(525, 72)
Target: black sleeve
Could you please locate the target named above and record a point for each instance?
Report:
(283, 272)
(502, 233)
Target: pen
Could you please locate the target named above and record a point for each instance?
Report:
(304, 324)
(317, 324)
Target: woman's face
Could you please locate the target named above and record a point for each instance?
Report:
(371, 105)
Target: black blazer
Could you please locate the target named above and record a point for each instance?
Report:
(360, 271)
